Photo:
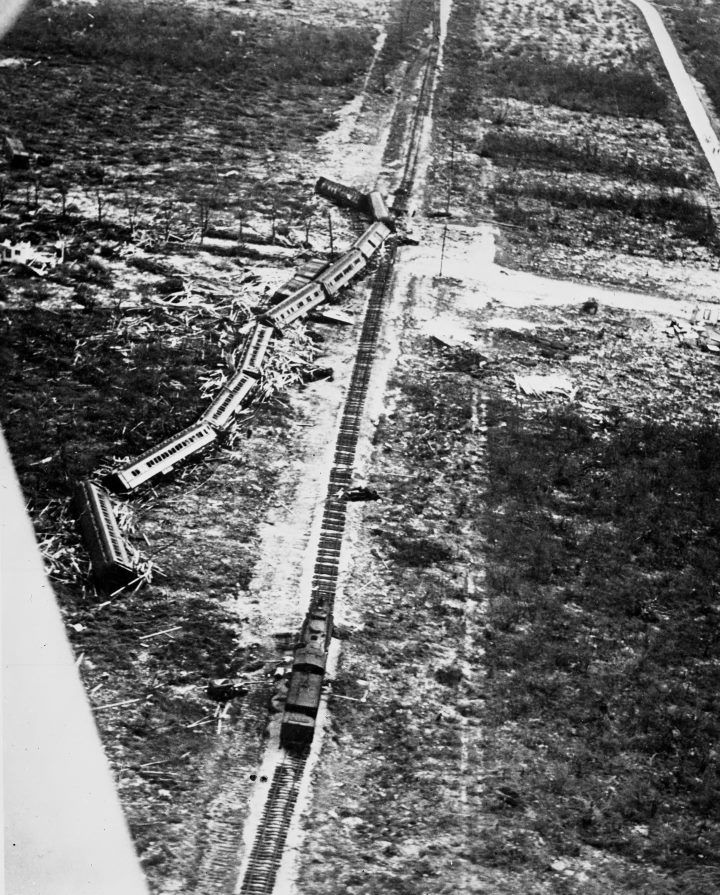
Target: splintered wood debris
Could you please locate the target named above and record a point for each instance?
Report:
(536, 385)
(701, 331)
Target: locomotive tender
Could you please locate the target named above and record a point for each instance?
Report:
(379, 210)
(346, 196)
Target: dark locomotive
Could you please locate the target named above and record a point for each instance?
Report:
(306, 678)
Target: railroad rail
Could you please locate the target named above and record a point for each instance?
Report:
(269, 843)
(402, 194)
(276, 817)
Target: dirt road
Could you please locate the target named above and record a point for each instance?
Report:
(684, 86)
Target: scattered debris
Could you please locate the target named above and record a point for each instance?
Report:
(114, 705)
(26, 255)
(158, 633)
(701, 331)
(408, 238)
(511, 324)
(314, 374)
(706, 315)
(16, 154)
(224, 689)
(447, 332)
(332, 315)
(360, 492)
(535, 385)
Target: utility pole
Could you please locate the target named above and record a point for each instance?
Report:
(442, 249)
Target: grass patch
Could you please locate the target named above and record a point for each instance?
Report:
(604, 642)
(152, 37)
(698, 30)
(534, 78)
(70, 378)
(164, 97)
(581, 88)
(689, 218)
(507, 148)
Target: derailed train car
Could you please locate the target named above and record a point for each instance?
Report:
(238, 388)
(327, 285)
(229, 400)
(372, 239)
(379, 210)
(305, 274)
(295, 306)
(346, 196)
(342, 272)
(111, 565)
(255, 350)
(163, 458)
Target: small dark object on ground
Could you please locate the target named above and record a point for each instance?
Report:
(590, 306)
(360, 492)
(15, 152)
(317, 373)
(223, 689)
(408, 239)
(331, 315)
(317, 338)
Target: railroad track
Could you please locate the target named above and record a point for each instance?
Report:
(266, 854)
(424, 101)
(276, 817)
(269, 843)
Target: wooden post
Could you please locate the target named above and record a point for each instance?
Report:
(442, 249)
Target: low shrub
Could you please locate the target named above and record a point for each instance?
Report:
(613, 91)
(147, 36)
(506, 147)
